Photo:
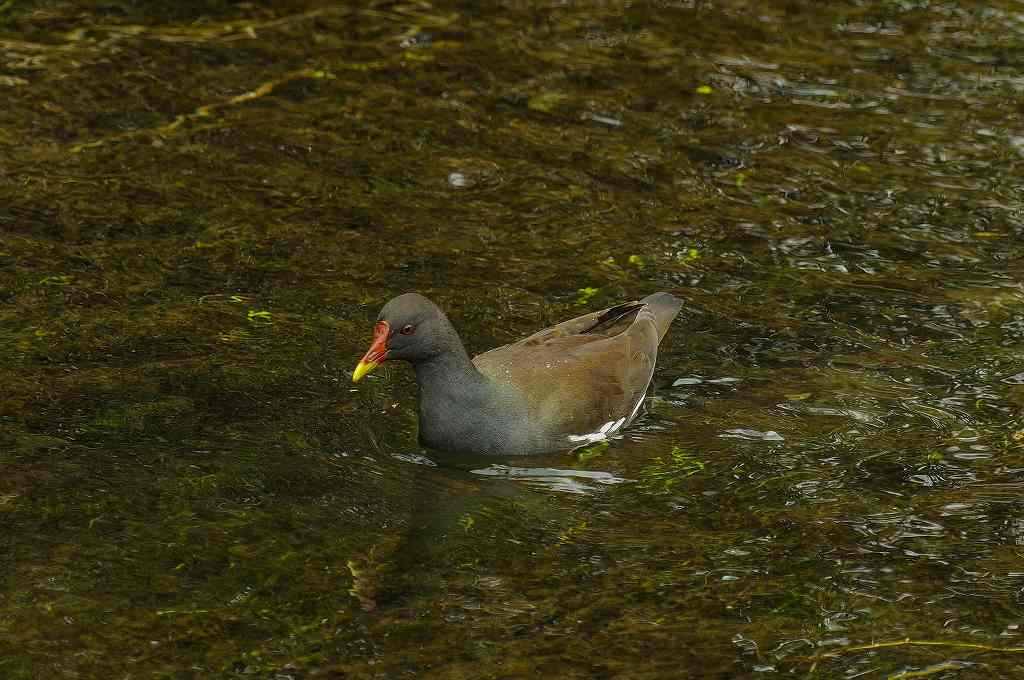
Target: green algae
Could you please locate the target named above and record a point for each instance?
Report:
(205, 203)
(665, 472)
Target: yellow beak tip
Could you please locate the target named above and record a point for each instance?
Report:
(362, 368)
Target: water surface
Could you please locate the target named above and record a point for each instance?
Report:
(204, 204)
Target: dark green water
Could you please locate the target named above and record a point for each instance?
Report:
(204, 204)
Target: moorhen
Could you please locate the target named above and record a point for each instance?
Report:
(563, 387)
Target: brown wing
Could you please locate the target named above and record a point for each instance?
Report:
(583, 373)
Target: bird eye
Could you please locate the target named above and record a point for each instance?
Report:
(407, 330)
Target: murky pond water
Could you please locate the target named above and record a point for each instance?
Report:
(204, 204)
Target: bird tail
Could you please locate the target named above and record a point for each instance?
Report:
(665, 306)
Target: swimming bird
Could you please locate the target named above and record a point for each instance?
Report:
(570, 385)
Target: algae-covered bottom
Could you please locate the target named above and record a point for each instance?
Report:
(203, 205)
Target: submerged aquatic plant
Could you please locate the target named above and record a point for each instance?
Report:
(664, 472)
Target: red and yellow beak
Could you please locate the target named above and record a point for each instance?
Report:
(376, 355)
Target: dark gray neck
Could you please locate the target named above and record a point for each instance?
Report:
(448, 374)
(450, 369)
(457, 403)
